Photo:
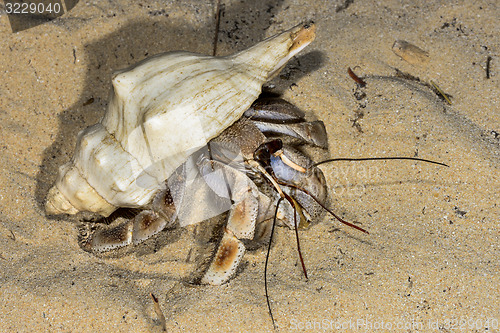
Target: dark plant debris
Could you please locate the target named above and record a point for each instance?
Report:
(488, 67)
(356, 78)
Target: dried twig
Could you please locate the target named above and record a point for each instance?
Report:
(441, 92)
(488, 66)
(218, 11)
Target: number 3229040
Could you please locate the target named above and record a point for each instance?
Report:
(32, 8)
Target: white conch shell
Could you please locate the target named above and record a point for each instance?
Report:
(162, 110)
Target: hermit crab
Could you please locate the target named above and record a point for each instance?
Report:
(149, 145)
(249, 167)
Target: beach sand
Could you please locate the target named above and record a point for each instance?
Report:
(431, 260)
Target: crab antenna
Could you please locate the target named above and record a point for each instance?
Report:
(324, 207)
(379, 158)
(267, 261)
(297, 233)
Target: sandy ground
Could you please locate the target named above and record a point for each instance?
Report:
(431, 260)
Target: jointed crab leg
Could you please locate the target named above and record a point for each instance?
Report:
(226, 260)
(241, 221)
(310, 132)
(135, 230)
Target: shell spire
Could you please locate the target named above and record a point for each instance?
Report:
(283, 47)
(161, 111)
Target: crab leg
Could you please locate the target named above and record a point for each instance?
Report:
(146, 224)
(311, 132)
(244, 213)
(226, 260)
(275, 109)
(277, 116)
(135, 230)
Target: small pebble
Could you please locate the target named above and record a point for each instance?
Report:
(410, 53)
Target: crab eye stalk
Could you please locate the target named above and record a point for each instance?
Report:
(263, 153)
